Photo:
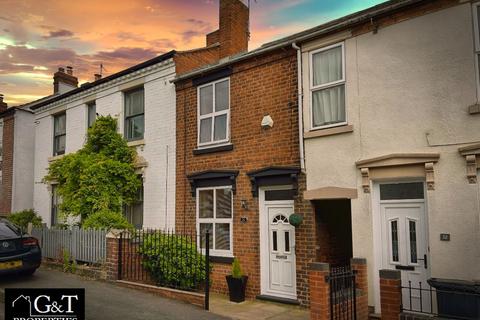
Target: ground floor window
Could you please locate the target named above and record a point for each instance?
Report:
(134, 212)
(214, 213)
(56, 201)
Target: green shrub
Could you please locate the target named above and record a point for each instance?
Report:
(23, 218)
(236, 270)
(106, 220)
(173, 261)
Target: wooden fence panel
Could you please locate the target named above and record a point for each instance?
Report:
(85, 245)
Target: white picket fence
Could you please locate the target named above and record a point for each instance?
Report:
(86, 245)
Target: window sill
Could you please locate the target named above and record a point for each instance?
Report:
(55, 158)
(328, 132)
(136, 143)
(224, 260)
(212, 149)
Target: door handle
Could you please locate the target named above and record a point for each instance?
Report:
(425, 263)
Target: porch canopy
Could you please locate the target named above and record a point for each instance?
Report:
(325, 193)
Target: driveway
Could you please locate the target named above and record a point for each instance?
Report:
(107, 301)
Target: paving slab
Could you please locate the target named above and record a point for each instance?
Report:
(256, 309)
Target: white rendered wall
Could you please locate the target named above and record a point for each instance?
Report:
(159, 181)
(23, 157)
(408, 89)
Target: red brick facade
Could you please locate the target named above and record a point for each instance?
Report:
(320, 307)
(258, 86)
(390, 294)
(7, 163)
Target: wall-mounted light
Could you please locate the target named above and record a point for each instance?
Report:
(267, 122)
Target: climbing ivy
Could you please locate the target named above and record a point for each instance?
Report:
(100, 177)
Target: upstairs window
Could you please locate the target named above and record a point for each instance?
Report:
(327, 86)
(134, 114)
(476, 23)
(59, 133)
(214, 113)
(92, 113)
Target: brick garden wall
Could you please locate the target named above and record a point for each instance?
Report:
(7, 165)
(260, 86)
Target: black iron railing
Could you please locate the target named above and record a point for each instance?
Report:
(422, 298)
(166, 259)
(343, 296)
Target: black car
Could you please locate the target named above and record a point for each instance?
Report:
(19, 252)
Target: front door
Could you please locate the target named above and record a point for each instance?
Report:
(404, 239)
(278, 250)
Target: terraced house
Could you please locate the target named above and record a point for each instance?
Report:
(390, 125)
(381, 160)
(16, 162)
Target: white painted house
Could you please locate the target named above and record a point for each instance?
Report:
(391, 130)
(143, 100)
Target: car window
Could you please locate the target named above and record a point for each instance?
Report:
(8, 231)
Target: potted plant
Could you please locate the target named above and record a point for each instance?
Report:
(237, 283)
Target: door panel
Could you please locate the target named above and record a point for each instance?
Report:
(405, 245)
(282, 272)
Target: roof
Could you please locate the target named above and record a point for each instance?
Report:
(306, 35)
(49, 99)
(12, 110)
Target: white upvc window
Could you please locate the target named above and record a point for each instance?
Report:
(476, 32)
(215, 214)
(327, 87)
(213, 113)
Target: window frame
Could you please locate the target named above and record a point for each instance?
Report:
(55, 136)
(126, 118)
(89, 106)
(55, 203)
(336, 83)
(213, 221)
(213, 114)
(476, 45)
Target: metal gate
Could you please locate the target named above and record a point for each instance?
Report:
(343, 299)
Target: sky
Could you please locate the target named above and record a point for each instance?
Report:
(38, 36)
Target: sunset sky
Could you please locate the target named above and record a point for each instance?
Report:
(38, 36)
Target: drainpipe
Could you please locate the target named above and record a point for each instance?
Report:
(300, 104)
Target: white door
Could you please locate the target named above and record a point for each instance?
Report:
(404, 239)
(280, 252)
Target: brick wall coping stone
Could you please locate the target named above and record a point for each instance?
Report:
(390, 274)
(115, 234)
(358, 261)
(319, 266)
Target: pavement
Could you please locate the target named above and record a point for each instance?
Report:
(108, 301)
(256, 309)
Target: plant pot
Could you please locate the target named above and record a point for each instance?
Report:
(236, 288)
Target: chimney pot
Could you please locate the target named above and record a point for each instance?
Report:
(60, 69)
(97, 76)
(69, 70)
(3, 105)
(64, 82)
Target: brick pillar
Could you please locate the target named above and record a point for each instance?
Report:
(390, 294)
(319, 291)
(111, 263)
(361, 282)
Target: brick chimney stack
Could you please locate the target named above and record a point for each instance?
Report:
(3, 105)
(64, 81)
(233, 33)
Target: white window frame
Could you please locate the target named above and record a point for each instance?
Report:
(213, 114)
(213, 221)
(476, 41)
(327, 85)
